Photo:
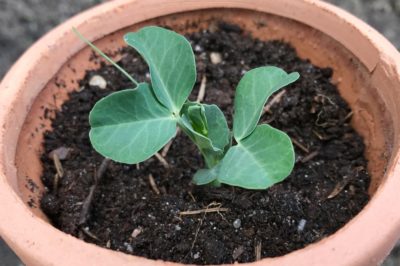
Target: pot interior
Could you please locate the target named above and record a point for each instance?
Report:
(355, 83)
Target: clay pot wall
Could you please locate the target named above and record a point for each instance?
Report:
(367, 73)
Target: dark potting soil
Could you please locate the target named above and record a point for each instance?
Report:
(326, 189)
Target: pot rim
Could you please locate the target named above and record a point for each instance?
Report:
(27, 238)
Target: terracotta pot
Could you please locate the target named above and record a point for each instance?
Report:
(366, 68)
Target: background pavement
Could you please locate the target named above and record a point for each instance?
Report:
(24, 21)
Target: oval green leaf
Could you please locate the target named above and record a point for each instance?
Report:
(208, 121)
(130, 126)
(218, 130)
(259, 161)
(206, 176)
(196, 114)
(171, 62)
(252, 93)
(212, 155)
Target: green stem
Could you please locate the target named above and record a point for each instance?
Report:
(215, 183)
(126, 74)
(210, 158)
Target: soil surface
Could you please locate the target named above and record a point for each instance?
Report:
(326, 189)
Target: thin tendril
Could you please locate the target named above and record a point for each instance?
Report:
(105, 56)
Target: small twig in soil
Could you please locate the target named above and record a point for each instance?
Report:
(206, 210)
(310, 156)
(197, 231)
(223, 217)
(138, 166)
(317, 123)
(59, 169)
(153, 184)
(350, 114)
(257, 250)
(319, 136)
(177, 218)
(162, 160)
(201, 223)
(269, 121)
(102, 169)
(73, 183)
(56, 179)
(166, 148)
(86, 206)
(326, 97)
(88, 200)
(191, 195)
(276, 99)
(86, 231)
(301, 146)
(58, 165)
(202, 89)
(338, 188)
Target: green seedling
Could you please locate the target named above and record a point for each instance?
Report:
(129, 126)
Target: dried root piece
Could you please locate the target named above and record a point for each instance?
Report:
(153, 184)
(301, 146)
(162, 160)
(87, 203)
(257, 250)
(276, 99)
(208, 209)
(202, 89)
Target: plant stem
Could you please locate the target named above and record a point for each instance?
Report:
(126, 74)
(215, 183)
(210, 158)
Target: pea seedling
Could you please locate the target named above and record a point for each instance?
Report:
(131, 125)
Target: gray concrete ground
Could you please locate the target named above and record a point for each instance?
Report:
(24, 21)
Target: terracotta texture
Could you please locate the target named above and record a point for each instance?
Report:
(367, 72)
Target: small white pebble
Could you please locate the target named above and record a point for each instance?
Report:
(196, 256)
(98, 81)
(147, 75)
(237, 252)
(136, 232)
(252, 214)
(301, 225)
(128, 247)
(198, 48)
(61, 152)
(177, 228)
(215, 58)
(237, 223)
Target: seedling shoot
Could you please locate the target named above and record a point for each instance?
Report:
(130, 126)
